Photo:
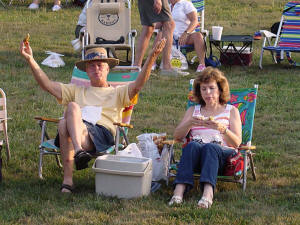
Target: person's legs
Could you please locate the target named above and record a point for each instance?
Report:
(197, 40)
(73, 134)
(167, 32)
(189, 162)
(143, 44)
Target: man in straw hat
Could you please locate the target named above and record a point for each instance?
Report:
(103, 102)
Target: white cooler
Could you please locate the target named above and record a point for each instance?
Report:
(123, 176)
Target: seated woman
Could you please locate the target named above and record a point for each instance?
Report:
(214, 129)
(186, 20)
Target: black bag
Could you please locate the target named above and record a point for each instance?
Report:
(275, 27)
(211, 60)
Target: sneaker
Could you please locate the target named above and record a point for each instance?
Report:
(200, 68)
(56, 8)
(33, 6)
(174, 72)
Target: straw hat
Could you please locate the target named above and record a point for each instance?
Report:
(96, 54)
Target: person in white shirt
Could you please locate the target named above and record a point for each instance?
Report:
(186, 20)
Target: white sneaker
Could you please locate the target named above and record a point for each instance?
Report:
(174, 72)
(56, 8)
(33, 6)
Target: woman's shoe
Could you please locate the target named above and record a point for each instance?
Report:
(204, 203)
(177, 200)
(56, 8)
(33, 6)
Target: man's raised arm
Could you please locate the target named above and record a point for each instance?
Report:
(144, 75)
(45, 83)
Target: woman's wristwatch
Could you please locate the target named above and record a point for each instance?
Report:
(224, 130)
(186, 32)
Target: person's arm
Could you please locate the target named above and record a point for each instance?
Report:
(157, 6)
(192, 16)
(44, 82)
(233, 135)
(144, 75)
(182, 130)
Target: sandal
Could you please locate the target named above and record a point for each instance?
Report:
(67, 187)
(204, 203)
(81, 159)
(175, 200)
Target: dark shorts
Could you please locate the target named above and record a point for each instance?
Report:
(149, 17)
(100, 136)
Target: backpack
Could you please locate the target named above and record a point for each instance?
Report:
(211, 60)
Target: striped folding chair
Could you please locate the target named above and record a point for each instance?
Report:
(80, 78)
(245, 100)
(287, 39)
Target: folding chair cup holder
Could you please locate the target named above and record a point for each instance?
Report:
(80, 78)
(245, 101)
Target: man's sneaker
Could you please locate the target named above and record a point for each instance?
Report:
(33, 6)
(174, 72)
(56, 8)
(200, 68)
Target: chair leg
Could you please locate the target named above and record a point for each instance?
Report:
(0, 162)
(245, 171)
(252, 167)
(261, 57)
(41, 164)
(6, 142)
(58, 161)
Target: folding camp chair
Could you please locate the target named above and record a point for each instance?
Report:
(80, 78)
(108, 25)
(245, 100)
(199, 5)
(288, 36)
(3, 127)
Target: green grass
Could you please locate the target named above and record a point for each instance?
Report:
(273, 199)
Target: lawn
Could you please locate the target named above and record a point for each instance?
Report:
(25, 199)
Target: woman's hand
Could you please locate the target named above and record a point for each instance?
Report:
(182, 39)
(26, 51)
(209, 123)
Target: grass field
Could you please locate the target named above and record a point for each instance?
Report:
(25, 199)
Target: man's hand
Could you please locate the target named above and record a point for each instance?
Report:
(182, 39)
(159, 46)
(26, 51)
(157, 6)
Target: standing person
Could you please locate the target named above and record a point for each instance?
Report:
(185, 17)
(35, 5)
(215, 129)
(151, 12)
(77, 134)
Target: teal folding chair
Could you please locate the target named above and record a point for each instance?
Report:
(80, 78)
(245, 100)
(287, 39)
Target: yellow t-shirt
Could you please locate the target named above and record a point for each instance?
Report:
(112, 100)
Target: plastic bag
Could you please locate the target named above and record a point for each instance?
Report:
(178, 60)
(131, 150)
(150, 150)
(53, 60)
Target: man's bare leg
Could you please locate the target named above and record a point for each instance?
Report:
(142, 45)
(167, 32)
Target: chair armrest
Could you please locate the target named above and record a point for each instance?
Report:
(244, 147)
(47, 119)
(133, 33)
(123, 125)
(170, 142)
(267, 34)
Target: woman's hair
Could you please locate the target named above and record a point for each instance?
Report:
(206, 76)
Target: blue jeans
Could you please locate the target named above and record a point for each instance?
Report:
(207, 159)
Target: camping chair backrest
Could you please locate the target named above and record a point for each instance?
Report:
(289, 27)
(199, 5)
(109, 20)
(245, 101)
(114, 79)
